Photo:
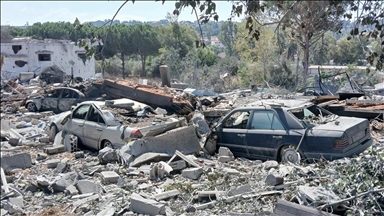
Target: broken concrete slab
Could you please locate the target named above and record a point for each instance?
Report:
(167, 194)
(52, 163)
(270, 164)
(109, 177)
(17, 161)
(178, 165)
(240, 190)
(316, 195)
(71, 190)
(225, 159)
(146, 206)
(15, 205)
(107, 155)
(166, 143)
(192, 173)
(87, 186)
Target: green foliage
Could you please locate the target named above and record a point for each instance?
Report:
(227, 37)
(206, 56)
(348, 51)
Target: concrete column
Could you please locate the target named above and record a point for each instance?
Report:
(165, 78)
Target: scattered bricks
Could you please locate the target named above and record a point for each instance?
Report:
(41, 156)
(86, 186)
(178, 165)
(55, 149)
(44, 139)
(167, 195)
(146, 206)
(109, 177)
(70, 142)
(107, 155)
(71, 190)
(270, 164)
(224, 159)
(240, 190)
(79, 154)
(14, 141)
(274, 180)
(192, 173)
(52, 163)
(22, 161)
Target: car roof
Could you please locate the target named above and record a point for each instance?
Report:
(271, 104)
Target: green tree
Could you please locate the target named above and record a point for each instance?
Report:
(206, 56)
(227, 36)
(349, 51)
(322, 48)
(144, 43)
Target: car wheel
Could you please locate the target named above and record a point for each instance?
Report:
(31, 107)
(52, 133)
(289, 154)
(106, 143)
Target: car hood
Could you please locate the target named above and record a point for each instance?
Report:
(340, 124)
(59, 117)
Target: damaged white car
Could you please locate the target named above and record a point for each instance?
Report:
(97, 128)
(94, 127)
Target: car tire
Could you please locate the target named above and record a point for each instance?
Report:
(106, 143)
(52, 133)
(294, 156)
(31, 107)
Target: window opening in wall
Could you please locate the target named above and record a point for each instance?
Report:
(20, 63)
(44, 57)
(82, 56)
(16, 48)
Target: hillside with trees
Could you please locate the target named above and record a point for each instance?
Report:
(276, 54)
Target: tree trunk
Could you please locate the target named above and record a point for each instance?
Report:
(143, 58)
(297, 69)
(102, 65)
(305, 61)
(123, 64)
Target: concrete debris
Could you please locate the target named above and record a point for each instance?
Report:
(109, 177)
(146, 206)
(192, 173)
(167, 195)
(274, 180)
(17, 161)
(174, 166)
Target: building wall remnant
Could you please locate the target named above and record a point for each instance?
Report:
(30, 55)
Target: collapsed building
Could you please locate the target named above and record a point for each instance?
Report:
(48, 57)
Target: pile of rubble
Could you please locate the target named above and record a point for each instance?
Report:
(171, 173)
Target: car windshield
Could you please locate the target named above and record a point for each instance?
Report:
(313, 115)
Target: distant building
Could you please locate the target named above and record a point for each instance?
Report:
(30, 55)
(216, 42)
(313, 69)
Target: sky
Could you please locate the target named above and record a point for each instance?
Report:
(18, 13)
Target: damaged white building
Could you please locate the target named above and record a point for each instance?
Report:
(59, 56)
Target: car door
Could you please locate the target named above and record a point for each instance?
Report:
(266, 133)
(94, 126)
(75, 123)
(50, 101)
(67, 99)
(232, 133)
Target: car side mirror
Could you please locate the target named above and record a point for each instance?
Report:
(65, 119)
